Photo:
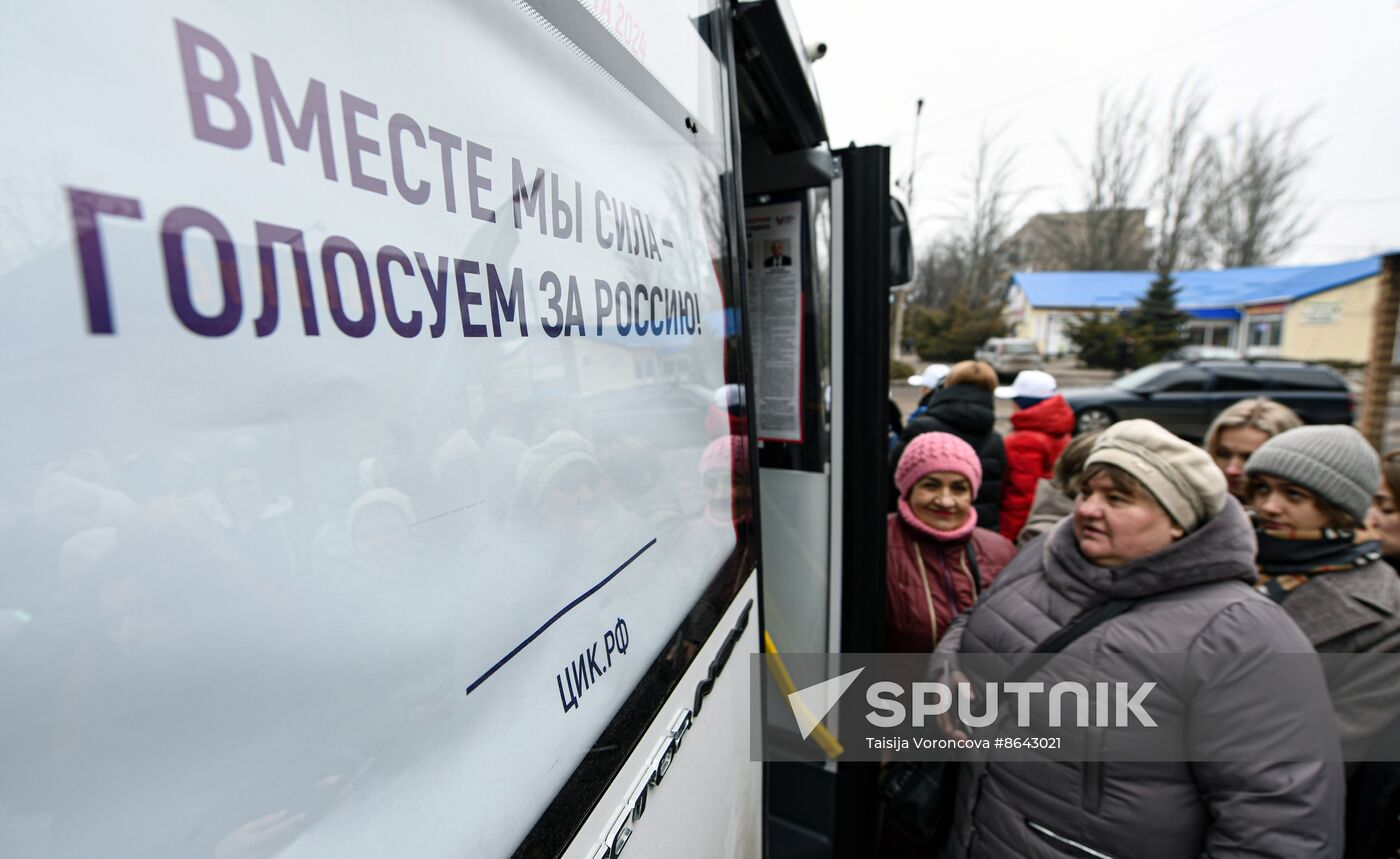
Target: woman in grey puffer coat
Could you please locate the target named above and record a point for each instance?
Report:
(1153, 523)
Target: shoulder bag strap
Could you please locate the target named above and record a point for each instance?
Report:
(976, 573)
(1066, 636)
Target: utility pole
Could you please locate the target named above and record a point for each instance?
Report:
(901, 294)
(1375, 399)
(914, 157)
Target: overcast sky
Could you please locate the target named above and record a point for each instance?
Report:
(1034, 70)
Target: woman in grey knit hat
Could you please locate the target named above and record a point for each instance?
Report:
(1310, 489)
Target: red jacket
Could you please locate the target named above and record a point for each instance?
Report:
(1038, 437)
(907, 628)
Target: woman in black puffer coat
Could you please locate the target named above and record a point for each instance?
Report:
(964, 407)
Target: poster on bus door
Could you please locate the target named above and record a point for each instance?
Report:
(775, 302)
(356, 371)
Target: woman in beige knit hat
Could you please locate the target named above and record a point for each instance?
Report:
(1153, 527)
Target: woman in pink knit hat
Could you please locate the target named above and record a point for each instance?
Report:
(937, 561)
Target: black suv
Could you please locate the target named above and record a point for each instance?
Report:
(1185, 396)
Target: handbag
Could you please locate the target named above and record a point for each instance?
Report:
(917, 798)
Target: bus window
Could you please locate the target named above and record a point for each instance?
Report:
(373, 467)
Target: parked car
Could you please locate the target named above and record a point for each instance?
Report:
(1185, 396)
(1010, 355)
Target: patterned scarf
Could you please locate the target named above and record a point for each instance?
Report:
(1289, 557)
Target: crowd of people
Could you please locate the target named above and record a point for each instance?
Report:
(1271, 538)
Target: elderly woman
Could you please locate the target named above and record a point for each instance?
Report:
(964, 407)
(937, 560)
(1239, 430)
(1153, 524)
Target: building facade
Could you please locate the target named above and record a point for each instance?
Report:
(1308, 313)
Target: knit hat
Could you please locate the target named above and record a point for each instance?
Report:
(1335, 462)
(726, 453)
(937, 451)
(539, 465)
(1182, 477)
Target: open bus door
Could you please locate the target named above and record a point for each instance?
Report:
(824, 241)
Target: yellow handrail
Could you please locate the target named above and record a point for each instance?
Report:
(824, 738)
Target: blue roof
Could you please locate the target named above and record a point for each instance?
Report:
(1200, 290)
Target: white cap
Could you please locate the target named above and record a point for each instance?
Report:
(729, 395)
(1036, 384)
(931, 377)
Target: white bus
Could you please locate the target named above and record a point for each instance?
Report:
(393, 397)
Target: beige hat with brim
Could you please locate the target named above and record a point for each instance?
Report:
(1181, 476)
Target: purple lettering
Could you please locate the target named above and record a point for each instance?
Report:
(602, 298)
(563, 218)
(268, 235)
(172, 236)
(200, 88)
(398, 124)
(85, 206)
(357, 144)
(390, 254)
(527, 197)
(314, 120)
(437, 290)
(599, 201)
(336, 246)
(510, 306)
(466, 298)
(476, 182)
(447, 143)
(624, 297)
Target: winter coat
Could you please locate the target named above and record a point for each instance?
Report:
(968, 412)
(1038, 437)
(1160, 810)
(1359, 612)
(1352, 612)
(945, 562)
(1050, 506)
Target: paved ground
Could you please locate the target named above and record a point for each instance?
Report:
(1070, 376)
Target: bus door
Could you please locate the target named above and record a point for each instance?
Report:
(823, 243)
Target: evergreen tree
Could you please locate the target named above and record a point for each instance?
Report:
(1095, 337)
(1157, 324)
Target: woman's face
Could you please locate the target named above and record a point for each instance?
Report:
(941, 500)
(572, 498)
(1115, 527)
(1285, 505)
(1384, 519)
(1232, 448)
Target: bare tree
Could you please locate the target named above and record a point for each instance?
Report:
(967, 262)
(1255, 212)
(1182, 187)
(986, 221)
(940, 273)
(1107, 234)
